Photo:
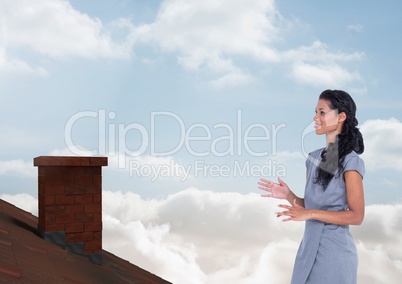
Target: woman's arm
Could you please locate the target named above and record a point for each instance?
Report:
(292, 197)
(353, 216)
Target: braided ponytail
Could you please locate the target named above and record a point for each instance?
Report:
(350, 139)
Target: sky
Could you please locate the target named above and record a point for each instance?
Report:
(192, 102)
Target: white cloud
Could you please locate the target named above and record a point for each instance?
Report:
(77, 151)
(221, 235)
(382, 141)
(152, 167)
(237, 239)
(145, 166)
(379, 242)
(26, 168)
(198, 236)
(209, 35)
(17, 167)
(205, 28)
(383, 228)
(232, 79)
(22, 200)
(320, 52)
(17, 65)
(358, 91)
(323, 74)
(355, 27)
(376, 266)
(317, 65)
(53, 29)
(148, 246)
(289, 157)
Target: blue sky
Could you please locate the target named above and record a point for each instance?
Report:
(199, 64)
(224, 89)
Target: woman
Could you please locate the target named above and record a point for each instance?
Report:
(333, 197)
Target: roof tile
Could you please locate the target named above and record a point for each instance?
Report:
(26, 257)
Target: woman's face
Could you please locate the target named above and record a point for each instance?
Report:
(327, 120)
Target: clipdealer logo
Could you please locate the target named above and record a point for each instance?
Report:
(113, 142)
(200, 168)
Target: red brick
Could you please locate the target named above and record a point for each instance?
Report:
(41, 171)
(97, 198)
(74, 228)
(57, 180)
(70, 197)
(83, 198)
(70, 238)
(53, 189)
(83, 180)
(93, 171)
(97, 235)
(53, 171)
(75, 189)
(85, 236)
(71, 161)
(93, 189)
(64, 199)
(50, 180)
(41, 220)
(93, 226)
(83, 217)
(41, 207)
(75, 171)
(68, 180)
(50, 219)
(93, 245)
(97, 217)
(74, 208)
(54, 228)
(65, 218)
(41, 188)
(47, 161)
(41, 180)
(85, 161)
(97, 180)
(93, 207)
(55, 209)
(98, 161)
(50, 199)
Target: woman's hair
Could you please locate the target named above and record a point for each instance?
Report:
(350, 139)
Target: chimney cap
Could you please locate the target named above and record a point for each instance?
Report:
(70, 161)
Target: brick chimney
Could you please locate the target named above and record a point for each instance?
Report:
(70, 203)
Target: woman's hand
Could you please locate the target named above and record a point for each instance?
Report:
(295, 212)
(276, 190)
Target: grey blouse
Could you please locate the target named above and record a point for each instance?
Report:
(327, 253)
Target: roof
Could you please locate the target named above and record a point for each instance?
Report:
(26, 257)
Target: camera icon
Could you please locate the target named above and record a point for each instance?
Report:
(306, 131)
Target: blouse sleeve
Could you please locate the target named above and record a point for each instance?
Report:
(354, 163)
